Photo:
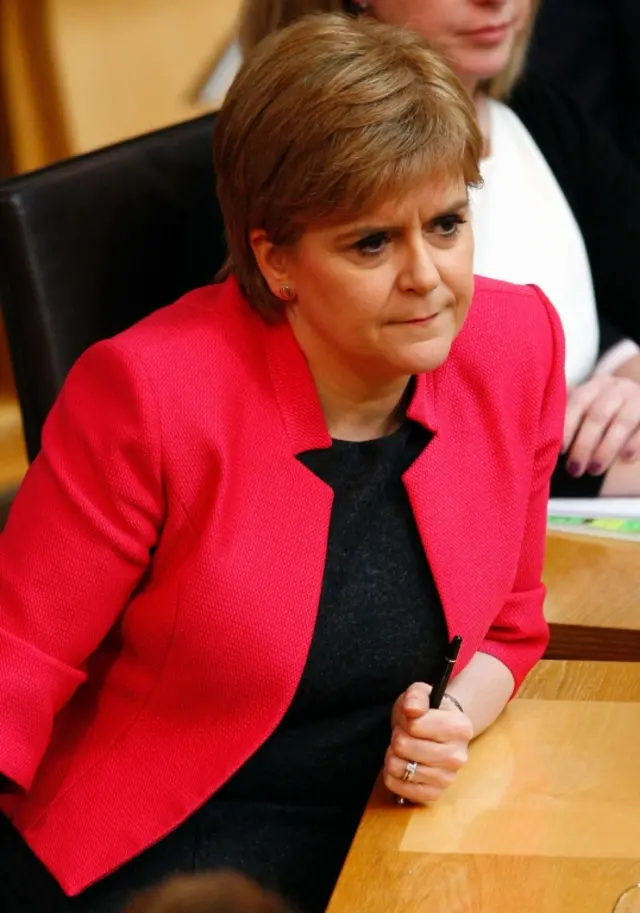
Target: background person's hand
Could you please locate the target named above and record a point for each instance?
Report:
(602, 424)
(437, 740)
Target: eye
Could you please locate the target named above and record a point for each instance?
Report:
(372, 245)
(448, 226)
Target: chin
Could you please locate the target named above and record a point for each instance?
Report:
(488, 63)
(428, 356)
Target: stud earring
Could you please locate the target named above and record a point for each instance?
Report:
(355, 7)
(287, 292)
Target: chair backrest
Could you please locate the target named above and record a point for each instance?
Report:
(91, 245)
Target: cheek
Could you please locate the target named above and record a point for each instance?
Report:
(341, 297)
(414, 14)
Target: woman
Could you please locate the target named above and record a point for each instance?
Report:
(565, 235)
(217, 617)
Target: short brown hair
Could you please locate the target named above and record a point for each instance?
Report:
(258, 18)
(327, 118)
(213, 892)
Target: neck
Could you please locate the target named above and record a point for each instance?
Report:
(354, 408)
(354, 414)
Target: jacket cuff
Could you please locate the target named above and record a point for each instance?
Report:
(33, 688)
(519, 657)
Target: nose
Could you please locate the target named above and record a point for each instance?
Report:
(419, 272)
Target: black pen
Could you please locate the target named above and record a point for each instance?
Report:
(439, 688)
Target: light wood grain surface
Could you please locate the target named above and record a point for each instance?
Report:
(544, 819)
(593, 599)
(593, 582)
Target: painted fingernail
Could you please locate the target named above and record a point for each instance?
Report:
(574, 469)
(629, 455)
(594, 469)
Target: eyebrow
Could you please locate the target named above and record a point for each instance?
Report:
(362, 230)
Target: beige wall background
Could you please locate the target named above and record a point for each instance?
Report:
(79, 74)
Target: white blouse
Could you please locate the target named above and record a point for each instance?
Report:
(525, 232)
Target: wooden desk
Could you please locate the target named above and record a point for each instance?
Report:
(545, 818)
(593, 601)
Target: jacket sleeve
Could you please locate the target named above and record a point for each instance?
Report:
(76, 543)
(602, 187)
(519, 634)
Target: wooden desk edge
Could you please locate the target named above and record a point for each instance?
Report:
(581, 642)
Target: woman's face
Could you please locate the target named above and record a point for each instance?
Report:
(475, 36)
(384, 296)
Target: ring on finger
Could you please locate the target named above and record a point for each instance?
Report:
(410, 771)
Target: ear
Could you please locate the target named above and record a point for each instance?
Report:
(273, 261)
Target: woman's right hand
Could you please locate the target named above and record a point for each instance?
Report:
(436, 741)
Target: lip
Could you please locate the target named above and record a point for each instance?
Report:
(420, 321)
(491, 34)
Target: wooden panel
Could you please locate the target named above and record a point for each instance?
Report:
(33, 111)
(13, 456)
(79, 74)
(129, 66)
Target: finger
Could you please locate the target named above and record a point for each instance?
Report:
(437, 777)
(438, 726)
(448, 755)
(415, 701)
(631, 450)
(616, 438)
(592, 430)
(416, 793)
(578, 404)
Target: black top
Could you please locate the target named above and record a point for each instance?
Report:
(288, 816)
(591, 49)
(602, 187)
(380, 627)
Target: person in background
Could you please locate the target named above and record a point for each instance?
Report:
(591, 49)
(566, 234)
(233, 572)
(211, 892)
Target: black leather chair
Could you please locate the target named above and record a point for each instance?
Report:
(93, 244)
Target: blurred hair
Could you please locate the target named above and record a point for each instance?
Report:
(258, 18)
(501, 86)
(215, 892)
(316, 138)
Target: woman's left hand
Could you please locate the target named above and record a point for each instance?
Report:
(437, 740)
(602, 424)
